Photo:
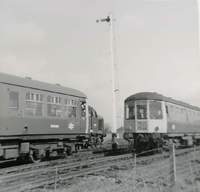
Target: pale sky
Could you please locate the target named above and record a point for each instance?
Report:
(60, 42)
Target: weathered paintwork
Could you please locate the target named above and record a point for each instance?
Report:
(38, 118)
(14, 123)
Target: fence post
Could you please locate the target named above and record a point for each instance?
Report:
(45, 188)
(56, 176)
(192, 176)
(194, 183)
(194, 153)
(172, 165)
(145, 186)
(160, 186)
(135, 172)
(195, 158)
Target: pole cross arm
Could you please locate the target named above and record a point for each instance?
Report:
(107, 19)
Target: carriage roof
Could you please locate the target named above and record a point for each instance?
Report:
(33, 84)
(159, 97)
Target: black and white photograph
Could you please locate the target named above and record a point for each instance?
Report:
(100, 96)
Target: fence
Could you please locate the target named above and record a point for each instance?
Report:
(179, 170)
(175, 170)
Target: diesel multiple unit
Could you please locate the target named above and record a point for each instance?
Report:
(38, 119)
(151, 119)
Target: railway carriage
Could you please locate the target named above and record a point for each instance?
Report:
(38, 119)
(152, 119)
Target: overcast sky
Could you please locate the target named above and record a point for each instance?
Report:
(60, 42)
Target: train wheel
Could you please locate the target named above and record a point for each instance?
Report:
(23, 159)
(67, 151)
(35, 156)
(47, 155)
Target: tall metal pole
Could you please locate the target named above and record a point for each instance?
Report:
(198, 8)
(115, 88)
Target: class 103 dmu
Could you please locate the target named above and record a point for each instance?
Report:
(39, 119)
(152, 120)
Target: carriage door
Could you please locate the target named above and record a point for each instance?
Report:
(141, 116)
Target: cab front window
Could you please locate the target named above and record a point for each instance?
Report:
(141, 111)
(155, 109)
(130, 111)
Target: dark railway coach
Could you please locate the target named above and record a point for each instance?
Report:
(152, 119)
(38, 119)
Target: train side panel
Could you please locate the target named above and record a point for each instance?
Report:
(34, 121)
(30, 117)
(182, 120)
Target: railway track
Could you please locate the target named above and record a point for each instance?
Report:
(48, 173)
(36, 178)
(52, 163)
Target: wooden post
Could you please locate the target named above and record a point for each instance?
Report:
(192, 176)
(172, 165)
(145, 186)
(194, 153)
(195, 182)
(56, 176)
(135, 172)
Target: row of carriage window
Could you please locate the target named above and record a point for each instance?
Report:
(175, 112)
(50, 99)
(34, 105)
(155, 111)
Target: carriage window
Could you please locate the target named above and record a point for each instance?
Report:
(71, 112)
(33, 104)
(13, 100)
(33, 109)
(130, 111)
(54, 108)
(155, 109)
(126, 112)
(83, 109)
(141, 111)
